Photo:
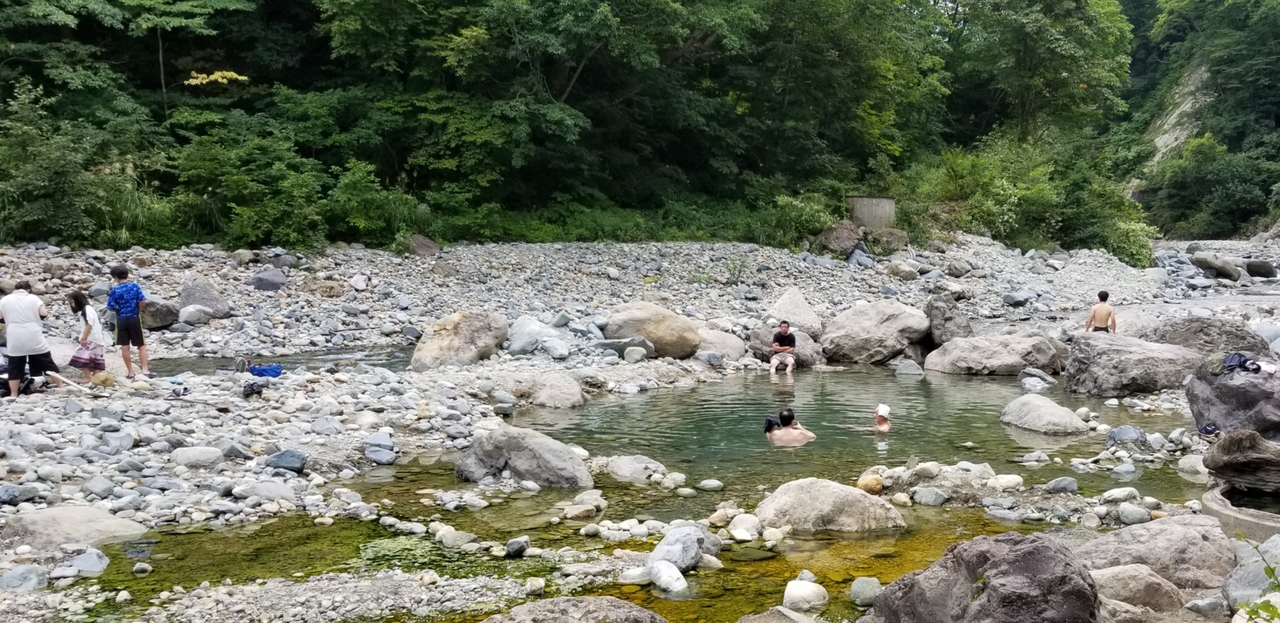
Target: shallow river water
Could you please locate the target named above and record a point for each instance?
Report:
(712, 431)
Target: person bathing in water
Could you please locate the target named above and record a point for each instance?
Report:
(1102, 317)
(786, 431)
(882, 419)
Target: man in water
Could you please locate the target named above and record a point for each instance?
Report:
(784, 348)
(1102, 317)
(789, 432)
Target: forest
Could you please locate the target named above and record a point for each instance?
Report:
(295, 122)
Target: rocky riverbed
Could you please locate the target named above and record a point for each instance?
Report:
(502, 327)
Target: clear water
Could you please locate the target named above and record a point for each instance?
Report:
(712, 431)
(716, 430)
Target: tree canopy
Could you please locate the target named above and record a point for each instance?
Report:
(292, 122)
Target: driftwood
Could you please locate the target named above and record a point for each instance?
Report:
(1245, 460)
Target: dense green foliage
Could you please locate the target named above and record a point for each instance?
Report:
(292, 122)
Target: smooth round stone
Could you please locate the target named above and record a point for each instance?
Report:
(750, 554)
(711, 485)
(686, 492)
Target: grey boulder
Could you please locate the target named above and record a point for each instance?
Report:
(197, 290)
(269, 280)
(461, 338)
(1043, 415)
(1191, 551)
(873, 333)
(1011, 578)
(527, 454)
(1236, 400)
(998, 354)
(1102, 364)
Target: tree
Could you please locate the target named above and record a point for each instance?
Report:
(163, 15)
(1048, 62)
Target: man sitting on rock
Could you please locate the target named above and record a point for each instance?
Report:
(788, 432)
(784, 348)
(1102, 317)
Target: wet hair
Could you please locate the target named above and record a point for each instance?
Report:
(786, 417)
(1103, 296)
(79, 302)
(22, 285)
(119, 272)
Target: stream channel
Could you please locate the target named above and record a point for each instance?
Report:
(712, 431)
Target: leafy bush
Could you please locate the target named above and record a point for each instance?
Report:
(1209, 192)
(358, 208)
(72, 181)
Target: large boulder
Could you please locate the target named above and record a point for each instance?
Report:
(682, 547)
(1221, 266)
(526, 335)
(1248, 581)
(158, 313)
(1210, 335)
(196, 290)
(558, 390)
(461, 338)
(1236, 400)
(671, 335)
(269, 280)
(47, 528)
(792, 308)
(1191, 551)
(1010, 578)
(946, 321)
(808, 352)
(873, 333)
(1006, 354)
(812, 504)
(841, 238)
(577, 610)
(728, 345)
(1108, 365)
(527, 454)
(1138, 585)
(1043, 415)
(1244, 459)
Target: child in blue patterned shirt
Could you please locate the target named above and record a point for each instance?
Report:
(127, 301)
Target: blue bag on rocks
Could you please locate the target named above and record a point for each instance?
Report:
(271, 370)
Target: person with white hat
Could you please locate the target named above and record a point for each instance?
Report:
(882, 419)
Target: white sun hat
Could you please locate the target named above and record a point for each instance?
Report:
(883, 411)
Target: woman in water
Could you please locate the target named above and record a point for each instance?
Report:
(882, 419)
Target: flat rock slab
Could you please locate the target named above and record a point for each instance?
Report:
(46, 529)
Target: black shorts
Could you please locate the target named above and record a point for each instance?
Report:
(129, 332)
(1102, 330)
(39, 365)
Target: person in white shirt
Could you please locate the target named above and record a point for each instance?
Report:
(90, 355)
(23, 314)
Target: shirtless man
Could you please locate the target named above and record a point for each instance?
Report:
(790, 433)
(1102, 317)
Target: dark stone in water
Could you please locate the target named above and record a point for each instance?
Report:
(748, 554)
(517, 546)
(1126, 434)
